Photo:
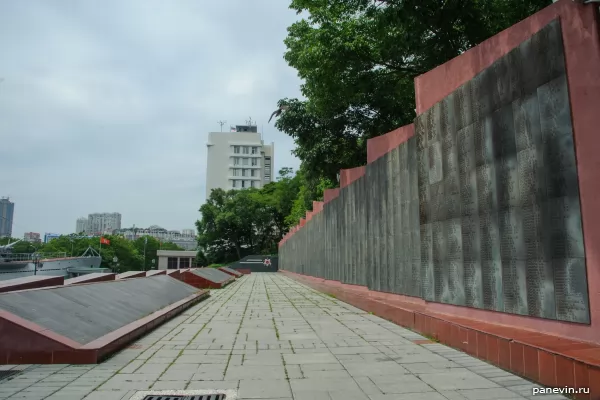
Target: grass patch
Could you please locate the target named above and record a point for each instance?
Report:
(432, 338)
(333, 296)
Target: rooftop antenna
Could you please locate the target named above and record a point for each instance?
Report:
(249, 121)
(221, 123)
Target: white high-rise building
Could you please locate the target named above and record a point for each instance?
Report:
(238, 159)
(100, 223)
(81, 225)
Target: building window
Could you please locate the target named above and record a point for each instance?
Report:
(254, 184)
(245, 161)
(236, 161)
(254, 150)
(253, 172)
(184, 263)
(236, 149)
(233, 183)
(254, 162)
(172, 263)
(245, 172)
(243, 184)
(246, 150)
(236, 172)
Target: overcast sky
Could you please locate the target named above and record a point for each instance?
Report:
(105, 106)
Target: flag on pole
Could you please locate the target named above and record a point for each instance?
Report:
(104, 241)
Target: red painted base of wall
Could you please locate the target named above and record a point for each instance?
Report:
(244, 271)
(197, 281)
(235, 274)
(23, 342)
(549, 360)
(31, 282)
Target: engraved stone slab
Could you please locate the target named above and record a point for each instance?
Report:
(571, 290)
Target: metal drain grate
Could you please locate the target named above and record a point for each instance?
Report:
(182, 397)
(7, 374)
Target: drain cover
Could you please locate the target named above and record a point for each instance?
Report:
(8, 374)
(220, 396)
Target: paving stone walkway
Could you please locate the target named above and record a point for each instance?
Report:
(269, 337)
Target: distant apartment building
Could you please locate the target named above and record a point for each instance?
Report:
(238, 159)
(51, 236)
(100, 223)
(186, 240)
(7, 209)
(81, 225)
(32, 237)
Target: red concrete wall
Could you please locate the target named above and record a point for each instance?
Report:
(156, 272)
(131, 274)
(347, 176)
(330, 194)
(91, 278)
(21, 342)
(30, 282)
(197, 281)
(317, 206)
(580, 29)
(380, 145)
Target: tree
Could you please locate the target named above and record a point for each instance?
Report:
(237, 223)
(358, 60)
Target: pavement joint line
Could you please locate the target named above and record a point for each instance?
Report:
(238, 330)
(341, 323)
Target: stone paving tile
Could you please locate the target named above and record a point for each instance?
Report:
(269, 337)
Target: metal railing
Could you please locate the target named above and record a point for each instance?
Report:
(29, 256)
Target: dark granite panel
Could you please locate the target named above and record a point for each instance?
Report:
(447, 122)
(436, 173)
(564, 228)
(479, 208)
(471, 238)
(503, 133)
(427, 276)
(507, 180)
(462, 106)
(482, 98)
(570, 285)
(535, 232)
(540, 288)
(489, 236)
(473, 284)
(483, 144)
(491, 278)
(390, 212)
(531, 176)
(487, 192)
(438, 237)
(514, 285)
(512, 240)
(456, 279)
(526, 114)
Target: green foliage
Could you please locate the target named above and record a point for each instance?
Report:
(130, 254)
(237, 223)
(358, 60)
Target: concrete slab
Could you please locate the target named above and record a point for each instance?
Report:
(269, 337)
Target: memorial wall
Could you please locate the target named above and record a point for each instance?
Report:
(479, 209)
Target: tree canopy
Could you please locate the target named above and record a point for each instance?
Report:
(129, 253)
(358, 60)
(237, 223)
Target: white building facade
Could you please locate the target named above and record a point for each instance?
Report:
(175, 259)
(238, 160)
(81, 225)
(103, 223)
(186, 239)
